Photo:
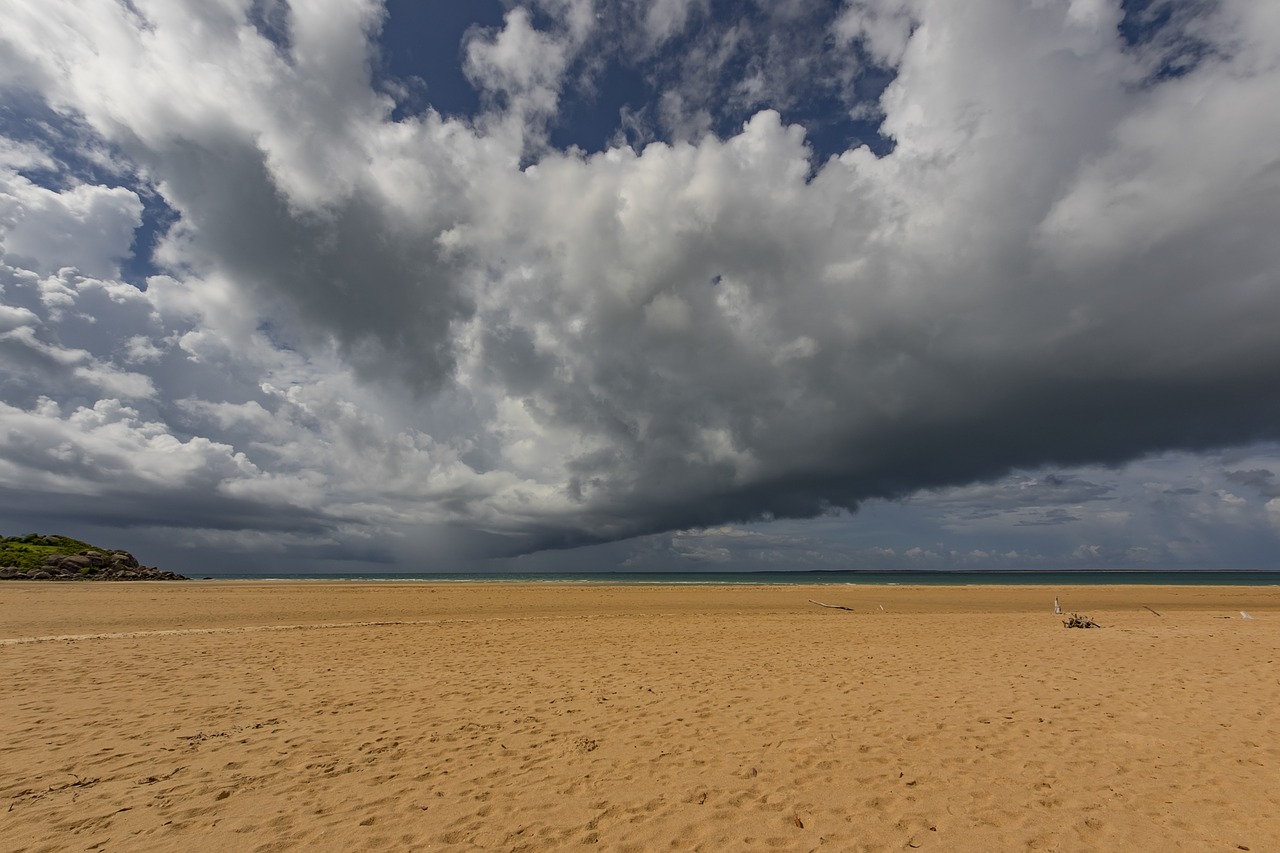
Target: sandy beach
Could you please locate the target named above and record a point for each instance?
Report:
(385, 716)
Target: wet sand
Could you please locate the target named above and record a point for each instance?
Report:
(387, 716)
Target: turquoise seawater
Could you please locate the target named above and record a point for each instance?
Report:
(1180, 577)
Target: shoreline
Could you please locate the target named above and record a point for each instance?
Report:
(986, 577)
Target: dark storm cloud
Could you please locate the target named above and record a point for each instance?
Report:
(377, 286)
(1261, 479)
(1060, 426)
(175, 512)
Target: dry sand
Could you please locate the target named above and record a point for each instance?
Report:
(279, 716)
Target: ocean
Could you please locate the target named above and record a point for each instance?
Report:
(996, 577)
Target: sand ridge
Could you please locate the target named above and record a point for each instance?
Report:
(244, 629)
(519, 719)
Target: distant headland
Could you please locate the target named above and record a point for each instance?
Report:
(36, 558)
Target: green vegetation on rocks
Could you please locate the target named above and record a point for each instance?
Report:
(29, 552)
(37, 557)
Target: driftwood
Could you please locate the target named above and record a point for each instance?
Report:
(1152, 609)
(832, 606)
(1078, 621)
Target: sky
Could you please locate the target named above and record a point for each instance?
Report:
(678, 285)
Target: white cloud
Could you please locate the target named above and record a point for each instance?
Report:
(89, 228)
(666, 18)
(523, 68)
(1273, 512)
(16, 155)
(883, 26)
(107, 449)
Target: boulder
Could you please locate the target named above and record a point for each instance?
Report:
(89, 564)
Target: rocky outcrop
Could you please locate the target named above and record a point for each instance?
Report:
(91, 565)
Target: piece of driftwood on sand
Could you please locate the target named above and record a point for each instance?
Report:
(832, 606)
